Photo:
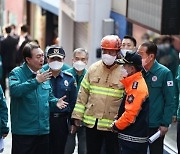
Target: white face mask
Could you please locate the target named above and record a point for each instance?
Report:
(55, 65)
(79, 65)
(123, 52)
(123, 72)
(145, 62)
(108, 59)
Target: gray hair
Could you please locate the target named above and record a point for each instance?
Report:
(81, 50)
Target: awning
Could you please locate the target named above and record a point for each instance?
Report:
(49, 5)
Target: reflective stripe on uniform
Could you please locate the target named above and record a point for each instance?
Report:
(102, 90)
(106, 91)
(101, 122)
(89, 120)
(132, 138)
(85, 84)
(104, 122)
(79, 108)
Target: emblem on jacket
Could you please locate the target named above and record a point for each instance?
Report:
(66, 83)
(135, 85)
(130, 99)
(154, 78)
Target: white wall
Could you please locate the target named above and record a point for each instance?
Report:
(66, 36)
(98, 11)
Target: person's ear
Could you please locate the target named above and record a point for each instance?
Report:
(133, 69)
(152, 56)
(28, 59)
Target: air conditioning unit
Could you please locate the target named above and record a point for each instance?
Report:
(78, 10)
(108, 27)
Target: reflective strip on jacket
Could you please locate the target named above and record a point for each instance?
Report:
(99, 96)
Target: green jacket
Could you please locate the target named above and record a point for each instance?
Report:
(76, 76)
(1, 69)
(159, 80)
(29, 102)
(3, 114)
(177, 95)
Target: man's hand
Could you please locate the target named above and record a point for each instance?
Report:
(42, 77)
(61, 104)
(163, 130)
(77, 122)
(73, 129)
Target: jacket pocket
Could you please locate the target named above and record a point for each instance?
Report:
(116, 84)
(95, 80)
(156, 84)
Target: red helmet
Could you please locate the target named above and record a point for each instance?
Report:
(111, 42)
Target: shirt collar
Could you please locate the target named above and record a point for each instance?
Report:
(27, 70)
(61, 74)
(83, 73)
(32, 70)
(154, 67)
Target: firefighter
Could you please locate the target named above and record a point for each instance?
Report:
(99, 98)
(132, 123)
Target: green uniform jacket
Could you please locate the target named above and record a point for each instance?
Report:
(29, 102)
(3, 114)
(161, 95)
(177, 97)
(76, 76)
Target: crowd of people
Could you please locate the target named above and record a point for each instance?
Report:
(113, 107)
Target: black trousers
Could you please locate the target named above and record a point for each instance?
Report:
(157, 146)
(95, 139)
(30, 144)
(127, 147)
(58, 133)
(5, 74)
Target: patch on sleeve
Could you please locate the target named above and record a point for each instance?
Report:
(130, 99)
(135, 85)
(169, 83)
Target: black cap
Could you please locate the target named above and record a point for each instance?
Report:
(131, 58)
(55, 52)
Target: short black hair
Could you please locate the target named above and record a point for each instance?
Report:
(8, 29)
(28, 48)
(13, 26)
(131, 38)
(151, 47)
(24, 28)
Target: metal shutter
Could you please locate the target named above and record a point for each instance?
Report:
(80, 35)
